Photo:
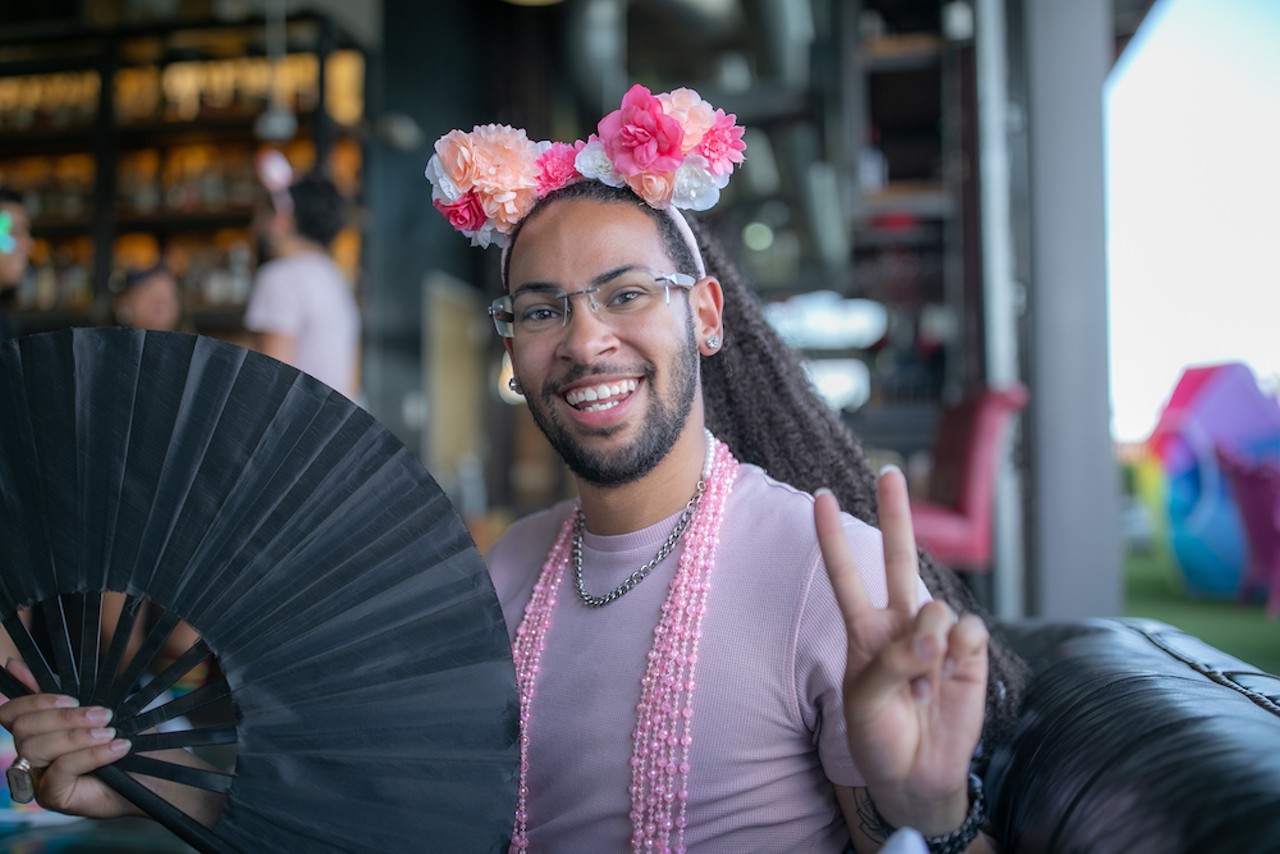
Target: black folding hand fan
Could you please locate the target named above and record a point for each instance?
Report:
(357, 653)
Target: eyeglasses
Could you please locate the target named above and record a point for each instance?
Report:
(537, 310)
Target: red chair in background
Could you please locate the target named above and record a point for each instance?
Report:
(1255, 485)
(953, 520)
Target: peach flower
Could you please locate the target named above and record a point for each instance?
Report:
(509, 207)
(506, 159)
(454, 165)
(656, 189)
(694, 114)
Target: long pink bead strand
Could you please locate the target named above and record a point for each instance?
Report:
(526, 652)
(664, 716)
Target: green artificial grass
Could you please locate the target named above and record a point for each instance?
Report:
(1153, 589)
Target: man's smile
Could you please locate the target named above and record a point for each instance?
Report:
(597, 398)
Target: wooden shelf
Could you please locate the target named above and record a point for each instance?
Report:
(167, 222)
(109, 132)
(901, 52)
(925, 199)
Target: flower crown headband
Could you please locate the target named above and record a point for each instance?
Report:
(673, 150)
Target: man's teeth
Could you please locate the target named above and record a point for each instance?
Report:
(596, 398)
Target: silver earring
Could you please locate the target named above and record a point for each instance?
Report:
(714, 342)
(514, 385)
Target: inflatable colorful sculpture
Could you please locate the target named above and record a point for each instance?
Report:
(1195, 513)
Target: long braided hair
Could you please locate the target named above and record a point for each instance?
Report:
(790, 432)
(798, 439)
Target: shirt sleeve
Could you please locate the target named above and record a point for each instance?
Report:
(273, 304)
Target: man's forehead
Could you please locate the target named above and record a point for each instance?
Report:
(585, 238)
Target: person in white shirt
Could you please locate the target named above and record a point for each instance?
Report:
(301, 310)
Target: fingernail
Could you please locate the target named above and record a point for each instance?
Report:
(921, 690)
(103, 734)
(888, 467)
(948, 667)
(925, 647)
(65, 702)
(822, 490)
(98, 715)
(120, 745)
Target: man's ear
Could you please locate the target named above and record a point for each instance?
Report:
(707, 302)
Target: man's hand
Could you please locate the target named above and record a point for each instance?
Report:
(915, 682)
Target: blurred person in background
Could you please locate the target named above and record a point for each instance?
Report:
(301, 310)
(15, 250)
(150, 299)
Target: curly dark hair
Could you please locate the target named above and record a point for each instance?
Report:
(791, 432)
(319, 211)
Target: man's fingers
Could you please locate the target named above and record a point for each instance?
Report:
(40, 715)
(901, 564)
(967, 650)
(845, 580)
(58, 781)
(913, 662)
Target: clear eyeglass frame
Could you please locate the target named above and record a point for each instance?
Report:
(542, 310)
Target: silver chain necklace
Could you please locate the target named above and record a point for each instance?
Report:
(580, 524)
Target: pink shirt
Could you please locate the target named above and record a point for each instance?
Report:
(768, 735)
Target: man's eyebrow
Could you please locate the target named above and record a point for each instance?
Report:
(610, 275)
(602, 278)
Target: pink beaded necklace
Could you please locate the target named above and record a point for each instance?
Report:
(662, 735)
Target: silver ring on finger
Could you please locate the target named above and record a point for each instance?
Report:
(22, 781)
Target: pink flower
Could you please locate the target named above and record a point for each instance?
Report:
(656, 189)
(695, 115)
(722, 144)
(556, 167)
(466, 214)
(641, 137)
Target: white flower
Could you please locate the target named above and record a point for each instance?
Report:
(443, 189)
(696, 189)
(593, 162)
(487, 236)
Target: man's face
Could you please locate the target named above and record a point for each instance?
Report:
(612, 394)
(15, 244)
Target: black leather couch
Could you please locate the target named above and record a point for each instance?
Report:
(1137, 737)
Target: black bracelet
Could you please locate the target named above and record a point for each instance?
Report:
(957, 840)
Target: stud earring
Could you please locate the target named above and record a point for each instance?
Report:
(514, 385)
(714, 342)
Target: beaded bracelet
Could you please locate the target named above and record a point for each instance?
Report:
(957, 840)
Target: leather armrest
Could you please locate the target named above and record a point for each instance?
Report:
(1137, 737)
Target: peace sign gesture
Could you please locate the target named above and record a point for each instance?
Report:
(915, 682)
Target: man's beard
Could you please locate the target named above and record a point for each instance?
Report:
(663, 427)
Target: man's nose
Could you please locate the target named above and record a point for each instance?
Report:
(586, 331)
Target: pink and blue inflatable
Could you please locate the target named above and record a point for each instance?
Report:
(1211, 406)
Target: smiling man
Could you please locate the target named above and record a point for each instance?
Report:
(682, 630)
